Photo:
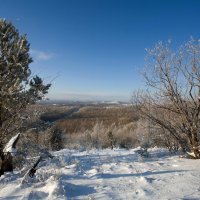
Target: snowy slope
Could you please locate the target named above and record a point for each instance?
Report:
(108, 174)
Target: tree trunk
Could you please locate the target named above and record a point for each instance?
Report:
(6, 155)
(6, 164)
(184, 145)
(194, 144)
(111, 144)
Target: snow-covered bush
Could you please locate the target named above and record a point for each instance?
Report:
(102, 136)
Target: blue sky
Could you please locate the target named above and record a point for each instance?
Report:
(95, 49)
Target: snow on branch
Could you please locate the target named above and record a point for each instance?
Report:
(11, 145)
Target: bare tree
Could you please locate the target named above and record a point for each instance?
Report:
(173, 98)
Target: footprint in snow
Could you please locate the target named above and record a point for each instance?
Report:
(92, 172)
(175, 165)
(146, 180)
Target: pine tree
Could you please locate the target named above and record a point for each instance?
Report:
(18, 88)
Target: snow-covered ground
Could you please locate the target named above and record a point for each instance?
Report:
(108, 174)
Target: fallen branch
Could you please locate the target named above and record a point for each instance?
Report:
(31, 172)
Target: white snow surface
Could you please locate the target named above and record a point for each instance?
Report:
(107, 174)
